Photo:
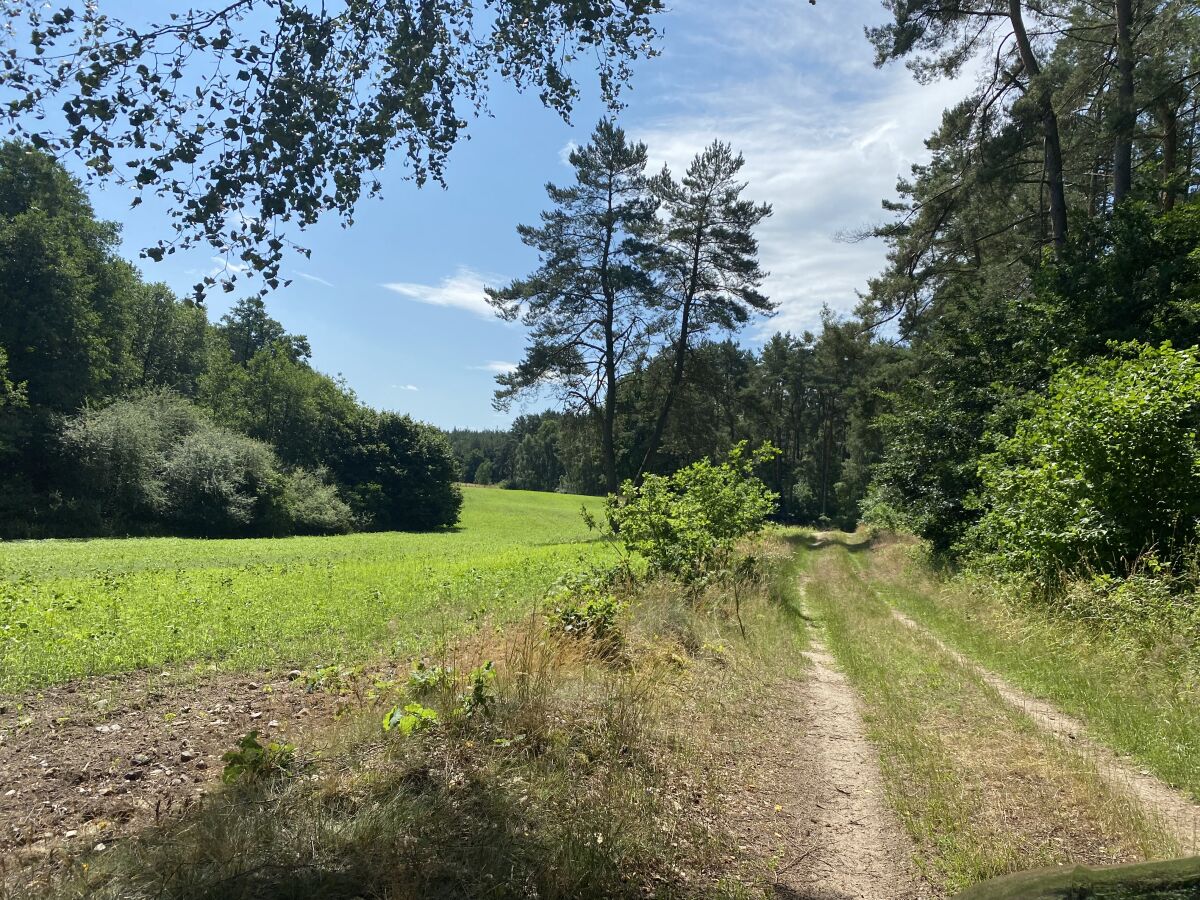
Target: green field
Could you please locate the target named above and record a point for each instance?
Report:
(76, 608)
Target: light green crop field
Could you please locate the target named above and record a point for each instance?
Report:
(76, 608)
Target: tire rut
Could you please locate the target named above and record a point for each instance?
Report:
(1178, 812)
(857, 849)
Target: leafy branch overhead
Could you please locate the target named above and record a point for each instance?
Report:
(255, 118)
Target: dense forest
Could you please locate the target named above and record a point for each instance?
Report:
(123, 410)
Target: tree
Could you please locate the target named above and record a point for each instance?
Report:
(62, 291)
(400, 474)
(590, 304)
(945, 36)
(248, 329)
(254, 116)
(1103, 469)
(707, 258)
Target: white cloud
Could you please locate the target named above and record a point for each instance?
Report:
(405, 387)
(313, 278)
(564, 153)
(222, 266)
(462, 290)
(495, 366)
(825, 136)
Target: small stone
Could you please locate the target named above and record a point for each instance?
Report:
(294, 674)
(256, 715)
(105, 791)
(100, 848)
(141, 759)
(71, 834)
(112, 728)
(201, 764)
(188, 754)
(133, 775)
(274, 723)
(254, 685)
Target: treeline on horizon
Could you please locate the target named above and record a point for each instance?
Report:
(123, 410)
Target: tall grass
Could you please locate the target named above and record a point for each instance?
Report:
(1136, 688)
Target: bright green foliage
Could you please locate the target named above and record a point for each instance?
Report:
(686, 524)
(480, 693)
(425, 679)
(586, 606)
(1106, 467)
(79, 608)
(252, 762)
(410, 719)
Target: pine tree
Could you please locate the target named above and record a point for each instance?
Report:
(589, 306)
(707, 258)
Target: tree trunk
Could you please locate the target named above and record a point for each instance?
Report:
(608, 421)
(1053, 142)
(1126, 118)
(1168, 116)
(664, 414)
(681, 348)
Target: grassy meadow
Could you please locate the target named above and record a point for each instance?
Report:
(77, 608)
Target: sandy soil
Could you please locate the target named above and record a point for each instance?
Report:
(817, 807)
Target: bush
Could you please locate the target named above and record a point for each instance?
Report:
(1105, 468)
(118, 453)
(313, 506)
(401, 474)
(585, 605)
(686, 524)
(217, 482)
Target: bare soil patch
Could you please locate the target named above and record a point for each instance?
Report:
(84, 763)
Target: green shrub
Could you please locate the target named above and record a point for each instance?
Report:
(400, 473)
(585, 605)
(253, 762)
(1105, 468)
(217, 482)
(118, 453)
(686, 524)
(313, 506)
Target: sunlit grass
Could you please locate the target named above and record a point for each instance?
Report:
(78, 608)
(978, 787)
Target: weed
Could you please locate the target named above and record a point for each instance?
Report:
(410, 719)
(252, 762)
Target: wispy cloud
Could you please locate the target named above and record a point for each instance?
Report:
(222, 266)
(564, 153)
(825, 136)
(495, 366)
(405, 387)
(313, 278)
(462, 290)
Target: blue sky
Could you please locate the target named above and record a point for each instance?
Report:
(395, 303)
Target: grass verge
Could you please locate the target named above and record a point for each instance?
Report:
(576, 764)
(1140, 700)
(979, 788)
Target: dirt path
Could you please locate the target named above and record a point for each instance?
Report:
(1179, 813)
(857, 849)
